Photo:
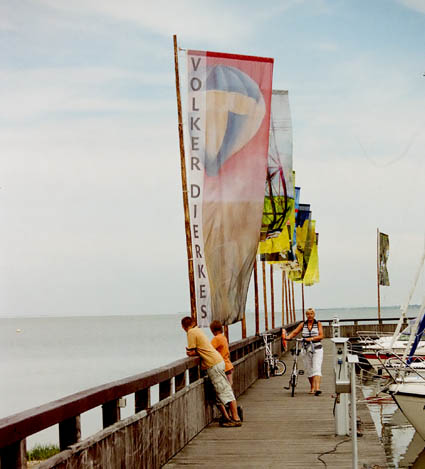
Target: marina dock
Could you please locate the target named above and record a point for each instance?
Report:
(283, 431)
(179, 428)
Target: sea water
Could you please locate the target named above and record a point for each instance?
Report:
(47, 358)
(404, 447)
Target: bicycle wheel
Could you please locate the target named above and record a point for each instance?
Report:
(266, 369)
(280, 368)
(293, 384)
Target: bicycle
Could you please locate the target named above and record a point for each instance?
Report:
(295, 371)
(272, 365)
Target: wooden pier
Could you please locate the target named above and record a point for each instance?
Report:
(280, 431)
(179, 429)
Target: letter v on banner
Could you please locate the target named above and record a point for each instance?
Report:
(228, 120)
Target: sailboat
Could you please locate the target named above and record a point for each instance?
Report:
(385, 351)
(408, 391)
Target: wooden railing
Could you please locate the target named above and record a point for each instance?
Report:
(366, 320)
(351, 327)
(176, 381)
(182, 391)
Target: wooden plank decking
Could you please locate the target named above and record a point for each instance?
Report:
(284, 432)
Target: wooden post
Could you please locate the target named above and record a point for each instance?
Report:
(111, 413)
(266, 318)
(288, 289)
(226, 332)
(257, 309)
(302, 297)
(179, 382)
(164, 389)
(193, 374)
(14, 456)
(283, 297)
(142, 400)
(377, 274)
(69, 432)
(293, 300)
(243, 326)
(184, 187)
(272, 294)
(286, 300)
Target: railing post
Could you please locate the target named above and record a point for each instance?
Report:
(14, 456)
(164, 389)
(193, 374)
(110, 413)
(142, 400)
(179, 382)
(69, 432)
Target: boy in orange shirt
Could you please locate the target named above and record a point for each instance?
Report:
(219, 342)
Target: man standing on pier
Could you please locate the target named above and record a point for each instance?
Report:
(213, 363)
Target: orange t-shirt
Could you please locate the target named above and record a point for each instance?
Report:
(219, 342)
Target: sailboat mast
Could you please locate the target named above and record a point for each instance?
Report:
(184, 186)
(406, 305)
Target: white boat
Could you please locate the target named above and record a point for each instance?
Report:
(408, 391)
(409, 395)
(371, 348)
(394, 369)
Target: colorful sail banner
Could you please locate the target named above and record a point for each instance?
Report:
(384, 252)
(279, 193)
(228, 104)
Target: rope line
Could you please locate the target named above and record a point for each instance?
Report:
(331, 451)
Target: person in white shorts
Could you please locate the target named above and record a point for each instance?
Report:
(312, 333)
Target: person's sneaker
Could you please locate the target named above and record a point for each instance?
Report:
(232, 423)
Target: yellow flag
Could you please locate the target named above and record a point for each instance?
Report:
(279, 243)
(312, 273)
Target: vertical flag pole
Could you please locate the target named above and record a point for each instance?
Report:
(288, 320)
(293, 300)
(302, 297)
(377, 273)
(288, 288)
(257, 309)
(283, 297)
(266, 318)
(243, 325)
(272, 294)
(184, 186)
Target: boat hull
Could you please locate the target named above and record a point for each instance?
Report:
(412, 404)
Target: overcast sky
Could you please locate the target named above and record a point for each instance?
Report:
(90, 198)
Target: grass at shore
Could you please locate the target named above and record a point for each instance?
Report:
(40, 452)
